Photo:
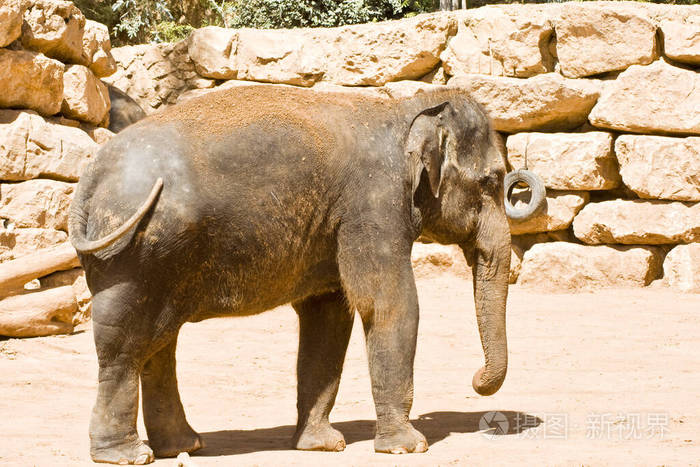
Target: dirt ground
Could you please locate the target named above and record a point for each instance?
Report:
(610, 378)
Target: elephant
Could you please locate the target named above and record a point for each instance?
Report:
(245, 199)
(123, 110)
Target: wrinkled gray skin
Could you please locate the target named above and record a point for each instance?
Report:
(123, 110)
(276, 195)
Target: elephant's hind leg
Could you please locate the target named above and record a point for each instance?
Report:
(168, 431)
(325, 324)
(113, 435)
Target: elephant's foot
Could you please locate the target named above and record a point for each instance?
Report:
(322, 437)
(171, 444)
(129, 452)
(401, 440)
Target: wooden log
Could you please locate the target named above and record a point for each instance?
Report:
(17, 272)
(35, 314)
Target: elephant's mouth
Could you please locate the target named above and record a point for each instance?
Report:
(533, 205)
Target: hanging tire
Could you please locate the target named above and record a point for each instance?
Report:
(537, 198)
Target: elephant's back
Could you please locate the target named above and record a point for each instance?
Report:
(318, 114)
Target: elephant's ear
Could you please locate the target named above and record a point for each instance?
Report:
(426, 146)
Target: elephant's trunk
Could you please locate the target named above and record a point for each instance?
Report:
(491, 264)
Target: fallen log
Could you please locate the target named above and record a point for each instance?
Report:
(17, 272)
(76, 279)
(35, 314)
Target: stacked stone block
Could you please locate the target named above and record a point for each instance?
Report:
(53, 110)
(601, 99)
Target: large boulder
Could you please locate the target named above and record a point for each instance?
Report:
(543, 102)
(18, 242)
(660, 166)
(33, 147)
(682, 39)
(287, 57)
(597, 38)
(359, 55)
(55, 28)
(657, 98)
(99, 134)
(527, 241)
(567, 161)
(558, 213)
(638, 222)
(167, 65)
(97, 49)
(30, 80)
(85, 97)
(431, 259)
(213, 51)
(11, 12)
(501, 42)
(36, 203)
(570, 267)
(682, 268)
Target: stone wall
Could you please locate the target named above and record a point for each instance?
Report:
(601, 99)
(53, 110)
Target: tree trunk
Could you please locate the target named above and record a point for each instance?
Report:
(36, 314)
(448, 5)
(17, 272)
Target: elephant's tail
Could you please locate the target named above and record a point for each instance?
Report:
(77, 224)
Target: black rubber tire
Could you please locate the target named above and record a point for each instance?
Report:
(537, 199)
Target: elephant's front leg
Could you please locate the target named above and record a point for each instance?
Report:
(325, 324)
(386, 298)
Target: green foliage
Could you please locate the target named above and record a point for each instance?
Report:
(316, 13)
(98, 10)
(479, 3)
(169, 31)
(138, 21)
(138, 18)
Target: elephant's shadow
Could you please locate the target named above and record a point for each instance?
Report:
(436, 426)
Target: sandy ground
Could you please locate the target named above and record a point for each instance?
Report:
(611, 378)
